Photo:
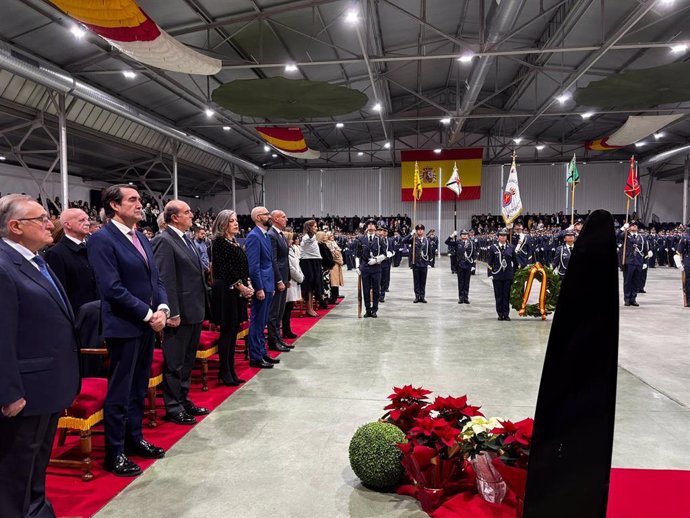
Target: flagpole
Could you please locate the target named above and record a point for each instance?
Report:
(625, 234)
(572, 203)
(440, 180)
(455, 212)
(414, 225)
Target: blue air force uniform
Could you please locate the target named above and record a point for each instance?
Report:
(502, 263)
(465, 253)
(419, 262)
(370, 250)
(636, 250)
(386, 267)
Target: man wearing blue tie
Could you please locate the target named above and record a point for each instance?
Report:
(134, 308)
(39, 367)
(260, 258)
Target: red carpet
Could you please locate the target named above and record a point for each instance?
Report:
(633, 493)
(74, 498)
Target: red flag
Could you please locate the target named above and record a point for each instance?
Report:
(632, 187)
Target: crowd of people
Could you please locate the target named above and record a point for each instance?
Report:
(135, 276)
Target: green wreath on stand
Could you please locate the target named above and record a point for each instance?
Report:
(553, 288)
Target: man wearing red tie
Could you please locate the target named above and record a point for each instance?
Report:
(134, 308)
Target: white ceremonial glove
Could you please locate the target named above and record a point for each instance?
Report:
(571, 227)
(665, 249)
(650, 254)
(454, 234)
(372, 261)
(357, 271)
(644, 266)
(380, 258)
(555, 270)
(625, 226)
(472, 269)
(390, 254)
(679, 263)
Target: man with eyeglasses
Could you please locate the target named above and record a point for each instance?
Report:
(39, 367)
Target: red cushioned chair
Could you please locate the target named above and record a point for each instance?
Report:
(83, 414)
(155, 379)
(208, 346)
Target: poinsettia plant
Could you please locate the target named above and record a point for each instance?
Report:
(514, 441)
(407, 404)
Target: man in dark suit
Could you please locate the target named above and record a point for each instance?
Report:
(39, 369)
(183, 276)
(281, 274)
(502, 264)
(134, 308)
(260, 258)
(69, 261)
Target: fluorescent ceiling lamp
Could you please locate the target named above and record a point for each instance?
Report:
(339, 125)
(640, 144)
(586, 115)
(291, 67)
(360, 153)
(466, 57)
(445, 121)
(437, 150)
(209, 112)
(517, 140)
(2, 158)
(77, 32)
(539, 147)
(274, 155)
(679, 48)
(267, 149)
(659, 135)
(129, 74)
(564, 97)
(387, 145)
(226, 128)
(352, 16)
(377, 107)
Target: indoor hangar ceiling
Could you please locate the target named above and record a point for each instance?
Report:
(437, 74)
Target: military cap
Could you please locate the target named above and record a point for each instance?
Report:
(419, 226)
(502, 232)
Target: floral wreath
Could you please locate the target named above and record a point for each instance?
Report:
(517, 295)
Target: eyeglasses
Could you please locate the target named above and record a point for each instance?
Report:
(264, 214)
(43, 219)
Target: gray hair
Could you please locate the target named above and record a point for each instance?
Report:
(11, 207)
(221, 223)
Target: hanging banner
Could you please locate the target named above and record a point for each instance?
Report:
(469, 163)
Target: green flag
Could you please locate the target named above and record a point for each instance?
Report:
(573, 173)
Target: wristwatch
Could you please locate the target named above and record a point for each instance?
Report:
(166, 311)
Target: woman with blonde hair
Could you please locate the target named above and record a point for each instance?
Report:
(327, 264)
(336, 273)
(231, 289)
(310, 262)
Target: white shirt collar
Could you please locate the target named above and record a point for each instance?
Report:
(122, 228)
(177, 231)
(263, 230)
(74, 239)
(25, 252)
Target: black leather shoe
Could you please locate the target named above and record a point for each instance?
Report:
(121, 466)
(634, 303)
(466, 301)
(289, 334)
(423, 301)
(373, 314)
(268, 359)
(232, 383)
(279, 348)
(382, 301)
(506, 318)
(281, 342)
(416, 300)
(642, 291)
(145, 449)
(192, 409)
(367, 314)
(627, 304)
(260, 364)
(460, 302)
(500, 317)
(181, 417)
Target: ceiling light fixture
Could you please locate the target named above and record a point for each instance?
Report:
(226, 128)
(437, 150)
(564, 97)
(339, 125)
(129, 74)
(587, 115)
(3, 158)
(640, 144)
(517, 140)
(77, 31)
(377, 107)
(466, 57)
(360, 153)
(352, 16)
(291, 67)
(445, 121)
(659, 135)
(267, 149)
(679, 48)
(387, 145)
(209, 112)
(273, 155)
(539, 147)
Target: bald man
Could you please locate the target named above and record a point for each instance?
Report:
(260, 257)
(184, 279)
(281, 274)
(69, 261)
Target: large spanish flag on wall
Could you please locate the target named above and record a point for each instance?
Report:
(469, 162)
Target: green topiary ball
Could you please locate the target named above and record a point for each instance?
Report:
(374, 456)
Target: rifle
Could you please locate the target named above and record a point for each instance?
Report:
(359, 295)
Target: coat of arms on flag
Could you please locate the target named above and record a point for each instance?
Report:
(453, 182)
(632, 186)
(512, 204)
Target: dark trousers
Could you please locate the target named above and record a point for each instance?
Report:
(371, 282)
(25, 446)
(226, 351)
(385, 278)
(257, 324)
(275, 315)
(179, 350)
(128, 381)
(287, 314)
(502, 295)
(464, 275)
(397, 258)
(643, 279)
(453, 263)
(419, 278)
(632, 278)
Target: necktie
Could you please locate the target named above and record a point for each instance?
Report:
(190, 245)
(371, 239)
(43, 268)
(137, 245)
(570, 249)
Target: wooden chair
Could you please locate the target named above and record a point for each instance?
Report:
(155, 379)
(208, 346)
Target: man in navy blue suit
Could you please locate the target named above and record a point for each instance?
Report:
(134, 308)
(39, 368)
(260, 258)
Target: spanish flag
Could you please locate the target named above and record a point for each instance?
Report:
(289, 141)
(425, 165)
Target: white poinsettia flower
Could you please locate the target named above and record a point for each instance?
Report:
(480, 424)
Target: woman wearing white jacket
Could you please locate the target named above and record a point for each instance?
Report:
(294, 290)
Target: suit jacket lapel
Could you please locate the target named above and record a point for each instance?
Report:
(32, 273)
(129, 245)
(182, 245)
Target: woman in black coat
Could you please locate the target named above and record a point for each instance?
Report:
(230, 291)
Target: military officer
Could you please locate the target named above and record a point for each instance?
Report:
(386, 263)
(465, 257)
(563, 252)
(420, 255)
(370, 255)
(523, 246)
(634, 250)
(450, 243)
(502, 263)
(682, 261)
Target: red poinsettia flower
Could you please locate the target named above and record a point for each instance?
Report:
(520, 432)
(435, 429)
(454, 408)
(408, 393)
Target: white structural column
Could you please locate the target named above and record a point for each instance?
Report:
(62, 127)
(175, 191)
(686, 182)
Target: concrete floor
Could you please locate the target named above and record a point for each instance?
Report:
(278, 447)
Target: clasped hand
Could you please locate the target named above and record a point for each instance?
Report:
(157, 321)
